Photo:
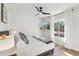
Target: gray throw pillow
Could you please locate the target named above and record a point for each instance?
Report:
(23, 37)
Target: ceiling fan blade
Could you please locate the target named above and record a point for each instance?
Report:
(46, 13)
(40, 10)
(37, 14)
(37, 9)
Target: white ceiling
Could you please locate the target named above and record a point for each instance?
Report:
(53, 8)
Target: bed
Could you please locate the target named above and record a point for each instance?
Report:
(34, 48)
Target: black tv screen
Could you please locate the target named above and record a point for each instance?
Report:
(4, 32)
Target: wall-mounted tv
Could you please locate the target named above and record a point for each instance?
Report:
(6, 32)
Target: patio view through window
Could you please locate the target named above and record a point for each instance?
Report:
(59, 27)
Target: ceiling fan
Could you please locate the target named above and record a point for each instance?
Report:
(40, 10)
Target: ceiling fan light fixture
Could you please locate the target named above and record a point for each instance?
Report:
(40, 10)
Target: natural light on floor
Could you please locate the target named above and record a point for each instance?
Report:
(68, 54)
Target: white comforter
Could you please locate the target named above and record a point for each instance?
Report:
(34, 47)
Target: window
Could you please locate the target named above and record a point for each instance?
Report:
(59, 27)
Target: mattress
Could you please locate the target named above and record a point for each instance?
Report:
(34, 47)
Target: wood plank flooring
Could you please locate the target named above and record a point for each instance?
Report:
(62, 51)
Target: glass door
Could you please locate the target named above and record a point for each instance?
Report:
(59, 27)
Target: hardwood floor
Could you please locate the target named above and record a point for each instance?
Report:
(70, 52)
(62, 51)
(13, 55)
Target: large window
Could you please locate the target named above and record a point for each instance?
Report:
(59, 27)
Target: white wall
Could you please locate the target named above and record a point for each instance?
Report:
(73, 28)
(24, 21)
(52, 28)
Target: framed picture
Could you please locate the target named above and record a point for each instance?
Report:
(44, 24)
(3, 13)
